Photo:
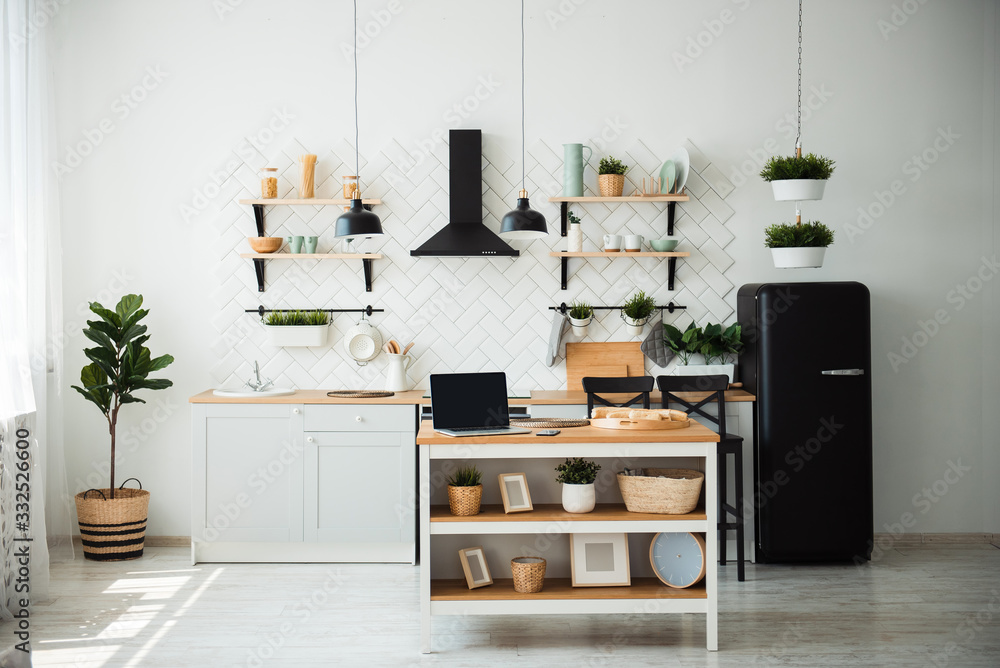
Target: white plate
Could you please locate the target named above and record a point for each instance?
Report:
(668, 176)
(682, 162)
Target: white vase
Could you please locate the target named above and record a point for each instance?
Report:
(798, 190)
(574, 238)
(580, 325)
(396, 380)
(634, 327)
(578, 498)
(297, 335)
(799, 257)
(705, 370)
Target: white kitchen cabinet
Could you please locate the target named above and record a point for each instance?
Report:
(265, 489)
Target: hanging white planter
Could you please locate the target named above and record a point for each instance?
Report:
(798, 258)
(296, 335)
(580, 325)
(633, 326)
(798, 190)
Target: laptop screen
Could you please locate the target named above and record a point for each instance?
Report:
(469, 400)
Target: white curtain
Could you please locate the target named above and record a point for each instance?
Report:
(31, 338)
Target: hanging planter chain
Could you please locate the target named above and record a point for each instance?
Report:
(798, 121)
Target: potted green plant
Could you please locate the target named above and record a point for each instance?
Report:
(637, 311)
(796, 245)
(611, 177)
(577, 476)
(574, 235)
(465, 491)
(797, 178)
(717, 345)
(580, 315)
(297, 328)
(119, 366)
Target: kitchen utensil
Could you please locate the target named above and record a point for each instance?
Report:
(603, 360)
(394, 347)
(668, 176)
(407, 348)
(633, 243)
(265, 244)
(682, 166)
(612, 243)
(663, 245)
(362, 342)
(295, 244)
(386, 348)
(396, 380)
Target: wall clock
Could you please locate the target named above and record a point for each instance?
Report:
(678, 559)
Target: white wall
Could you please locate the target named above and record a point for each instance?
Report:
(885, 97)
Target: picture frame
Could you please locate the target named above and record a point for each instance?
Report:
(477, 571)
(514, 490)
(599, 560)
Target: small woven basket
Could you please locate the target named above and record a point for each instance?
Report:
(529, 574)
(611, 185)
(675, 494)
(112, 529)
(464, 500)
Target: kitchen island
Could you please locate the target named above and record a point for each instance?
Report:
(545, 530)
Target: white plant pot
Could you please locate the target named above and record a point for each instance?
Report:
(798, 190)
(578, 498)
(705, 370)
(792, 258)
(634, 327)
(580, 325)
(296, 335)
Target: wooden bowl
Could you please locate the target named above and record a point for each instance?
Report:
(265, 244)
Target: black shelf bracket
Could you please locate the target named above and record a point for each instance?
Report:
(564, 213)
(368, 275)
(564, 308)
(258, 217)
(670, 219)
(671, 271)
(258, 270)
(565, 271)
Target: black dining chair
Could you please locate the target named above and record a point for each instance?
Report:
(729, 444)
(594, 386)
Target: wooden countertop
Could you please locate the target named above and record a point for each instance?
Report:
(538, 398)
(697, 433)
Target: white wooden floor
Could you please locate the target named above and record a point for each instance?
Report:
(909, 609)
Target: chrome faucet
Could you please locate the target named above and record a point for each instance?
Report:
(260, 385)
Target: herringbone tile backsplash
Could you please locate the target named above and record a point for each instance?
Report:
(464, 314)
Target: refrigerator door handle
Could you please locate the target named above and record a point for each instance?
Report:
(843, 372)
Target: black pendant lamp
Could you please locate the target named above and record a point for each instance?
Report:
(523, 222)
(357, 221)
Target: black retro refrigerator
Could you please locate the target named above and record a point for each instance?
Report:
(808, 361)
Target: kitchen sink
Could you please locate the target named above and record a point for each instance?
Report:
(244, 393)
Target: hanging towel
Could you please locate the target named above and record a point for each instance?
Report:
(560, 325)
(655, 348)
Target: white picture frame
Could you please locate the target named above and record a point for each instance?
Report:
(477, 571)
(599, 560)
(514, 491)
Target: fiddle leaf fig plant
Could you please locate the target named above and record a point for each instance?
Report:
(120, 364)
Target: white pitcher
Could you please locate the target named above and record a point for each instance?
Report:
(396, 381)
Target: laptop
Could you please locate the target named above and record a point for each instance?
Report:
(471, 404)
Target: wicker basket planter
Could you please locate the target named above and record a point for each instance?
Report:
(112, 529)
(529, 574)
(611, 185)
(674, 494)
(464, 501)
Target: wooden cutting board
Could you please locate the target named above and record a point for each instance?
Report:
(602, 360)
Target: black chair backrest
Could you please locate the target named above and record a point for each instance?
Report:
(594, 386)
(671, 386)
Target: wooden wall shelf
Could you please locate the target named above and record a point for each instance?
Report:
(314, 201)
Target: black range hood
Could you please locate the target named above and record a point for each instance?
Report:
(465, 235)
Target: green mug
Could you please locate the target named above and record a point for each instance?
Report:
(310, 244)
(294, 244)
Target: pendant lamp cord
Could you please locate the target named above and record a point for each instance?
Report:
(357, 160)
(798, 134)
(522, 95)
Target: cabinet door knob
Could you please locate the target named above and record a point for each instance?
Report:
(311, 439)
(358, 419)
(296, 411)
